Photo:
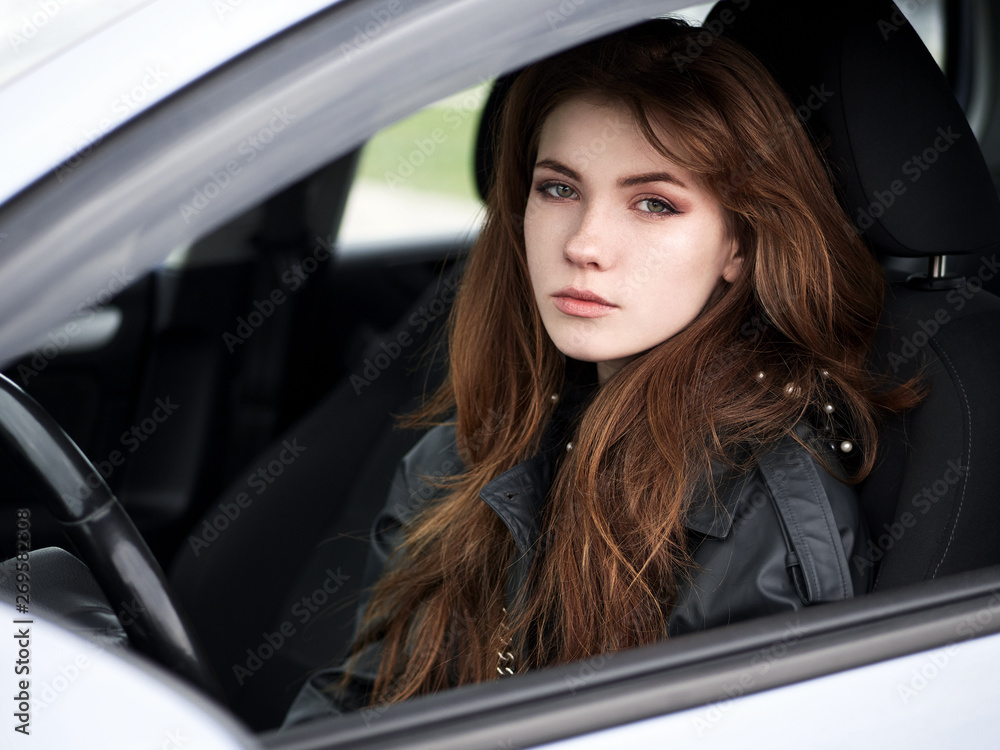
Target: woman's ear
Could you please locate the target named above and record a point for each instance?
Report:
(735, 262)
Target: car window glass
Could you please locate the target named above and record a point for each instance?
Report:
(927, 17)
(415, 180)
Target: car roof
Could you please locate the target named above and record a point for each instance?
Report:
(95, 79)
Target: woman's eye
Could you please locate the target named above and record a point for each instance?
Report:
(557, 190)
(655, 206)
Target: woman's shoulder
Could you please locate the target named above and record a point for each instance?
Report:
(434, 457)
(788, 469)
(819, 512)
(777, 538)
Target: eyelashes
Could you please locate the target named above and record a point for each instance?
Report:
(651, 205)
(552, 189)
(664, 207)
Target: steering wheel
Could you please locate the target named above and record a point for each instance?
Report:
(107, 540)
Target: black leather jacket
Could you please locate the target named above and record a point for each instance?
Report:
(779, 538)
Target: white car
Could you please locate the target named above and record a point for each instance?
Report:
(217, 295)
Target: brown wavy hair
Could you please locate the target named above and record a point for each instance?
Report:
(790, 334)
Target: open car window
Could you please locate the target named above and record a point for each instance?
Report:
(164, 182)
(415, 179)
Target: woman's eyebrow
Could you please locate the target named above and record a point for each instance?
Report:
(559, 167)
(624, 182)
(642, 179)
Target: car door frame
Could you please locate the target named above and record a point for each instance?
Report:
(125, 202)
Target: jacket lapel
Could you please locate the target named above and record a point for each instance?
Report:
(517, 497)
(713, 504)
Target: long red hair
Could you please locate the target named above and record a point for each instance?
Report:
(788, 336)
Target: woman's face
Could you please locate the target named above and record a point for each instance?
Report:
(624, 246)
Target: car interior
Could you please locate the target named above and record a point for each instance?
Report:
(290, 414)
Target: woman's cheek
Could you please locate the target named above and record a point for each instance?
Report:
(532, 223)
(542, 231)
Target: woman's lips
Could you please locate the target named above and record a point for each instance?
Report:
(581, 304)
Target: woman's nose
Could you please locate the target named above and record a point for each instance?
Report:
(591, 244)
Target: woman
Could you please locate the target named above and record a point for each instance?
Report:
(657, 387)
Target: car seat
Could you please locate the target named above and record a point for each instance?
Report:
(271, 573)
(248, 582)
(911, 176)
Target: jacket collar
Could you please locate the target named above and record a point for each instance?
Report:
(518, 496)
(710, 513)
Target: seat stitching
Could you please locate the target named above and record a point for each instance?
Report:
(968, 466)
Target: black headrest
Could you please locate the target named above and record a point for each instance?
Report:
(908, 168)
(485, 139)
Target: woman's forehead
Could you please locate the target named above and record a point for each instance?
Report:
(588, 132)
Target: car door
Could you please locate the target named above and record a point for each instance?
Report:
(342, 83)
